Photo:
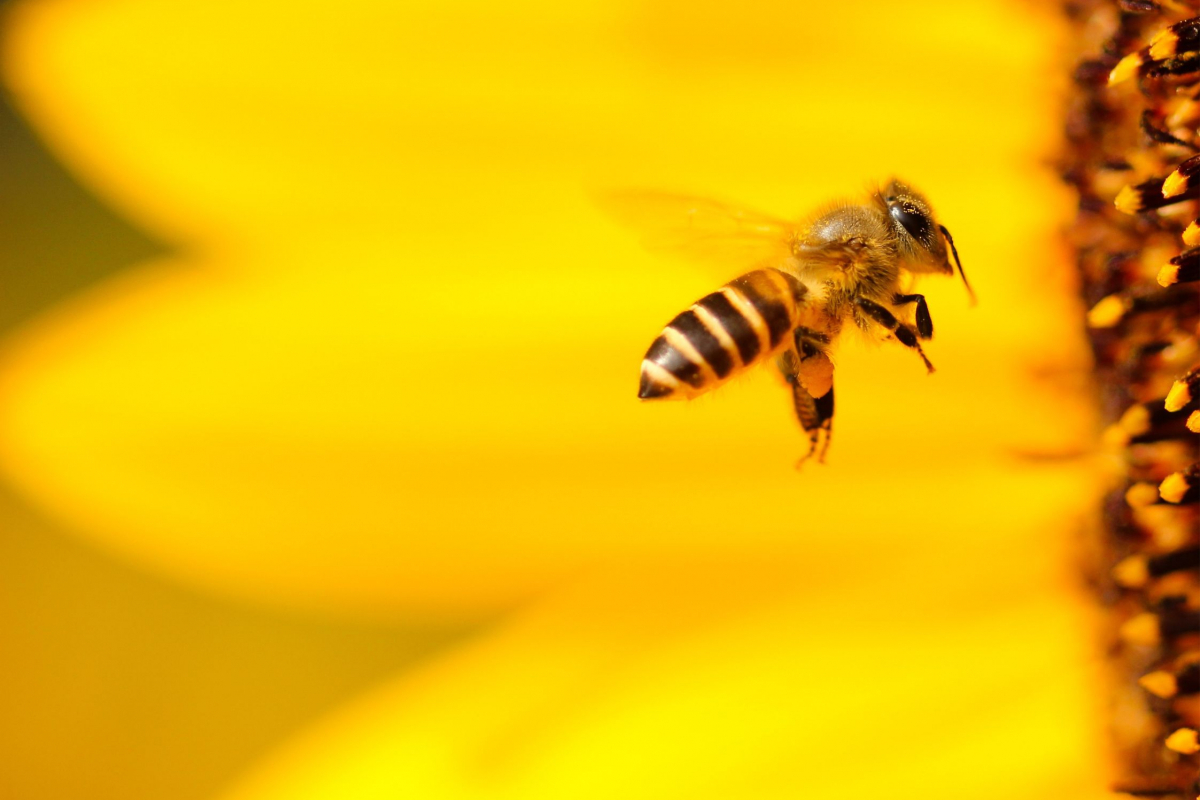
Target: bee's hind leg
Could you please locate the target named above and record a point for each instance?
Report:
(815, 414)
(816, 417)
(887, 319)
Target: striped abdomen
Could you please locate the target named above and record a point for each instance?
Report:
(745, 322)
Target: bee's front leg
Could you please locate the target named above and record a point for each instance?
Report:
(924, 321)
(887, 319)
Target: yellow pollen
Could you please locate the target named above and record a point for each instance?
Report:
(1114, 437)
(1174, 184)
(1163, 45)
(1129, 200)
(1168, 275)
(1132, 572)
(1184, 741)
(1193, 422)
(1142, 629)
(1179, 396)
(1135, 420)
(1183, 114)
(1141, 495)
(1107, 313)
(1191, 234)
(1173, 487)
(1160, 684)
(1125, 68)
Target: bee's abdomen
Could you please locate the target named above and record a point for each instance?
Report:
(743, 323)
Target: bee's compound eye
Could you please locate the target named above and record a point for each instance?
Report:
(915, 222)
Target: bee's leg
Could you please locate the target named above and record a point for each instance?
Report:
(924, 321)
(816, 418)
(887, 319)
(815, 414)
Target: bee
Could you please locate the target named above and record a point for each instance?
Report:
(849, 264)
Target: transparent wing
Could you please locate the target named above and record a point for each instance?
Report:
(701, 230)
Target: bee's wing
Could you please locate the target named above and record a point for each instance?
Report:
(699, 229)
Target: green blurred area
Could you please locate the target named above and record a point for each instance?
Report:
(117, 684)
(55, 237)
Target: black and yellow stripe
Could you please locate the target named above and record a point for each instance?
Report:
(1184, 390)
(1168, 683)
(1182, 486)
(1184, 179)
(1144, 64)
(1137, 570)
(743, 323)
(1149, 195)
(1182, 37)
(1183, 268)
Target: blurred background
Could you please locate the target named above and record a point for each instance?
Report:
(322, 470)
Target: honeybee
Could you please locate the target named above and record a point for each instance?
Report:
(847, 264)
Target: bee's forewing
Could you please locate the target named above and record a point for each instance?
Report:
(705, 231)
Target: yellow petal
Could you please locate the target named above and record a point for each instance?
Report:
(399, 374)
(211, 426)
(429, 116)
(733, 680)
(392, 373)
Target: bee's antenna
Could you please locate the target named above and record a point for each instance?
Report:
(954, 250)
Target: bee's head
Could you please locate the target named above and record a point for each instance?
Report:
(922, 241)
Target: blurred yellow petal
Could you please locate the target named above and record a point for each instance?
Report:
(738, 680)
(245, 447)
(390, 372)
(300, 119)
(399, 378)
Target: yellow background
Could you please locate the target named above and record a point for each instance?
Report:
(344, 491)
